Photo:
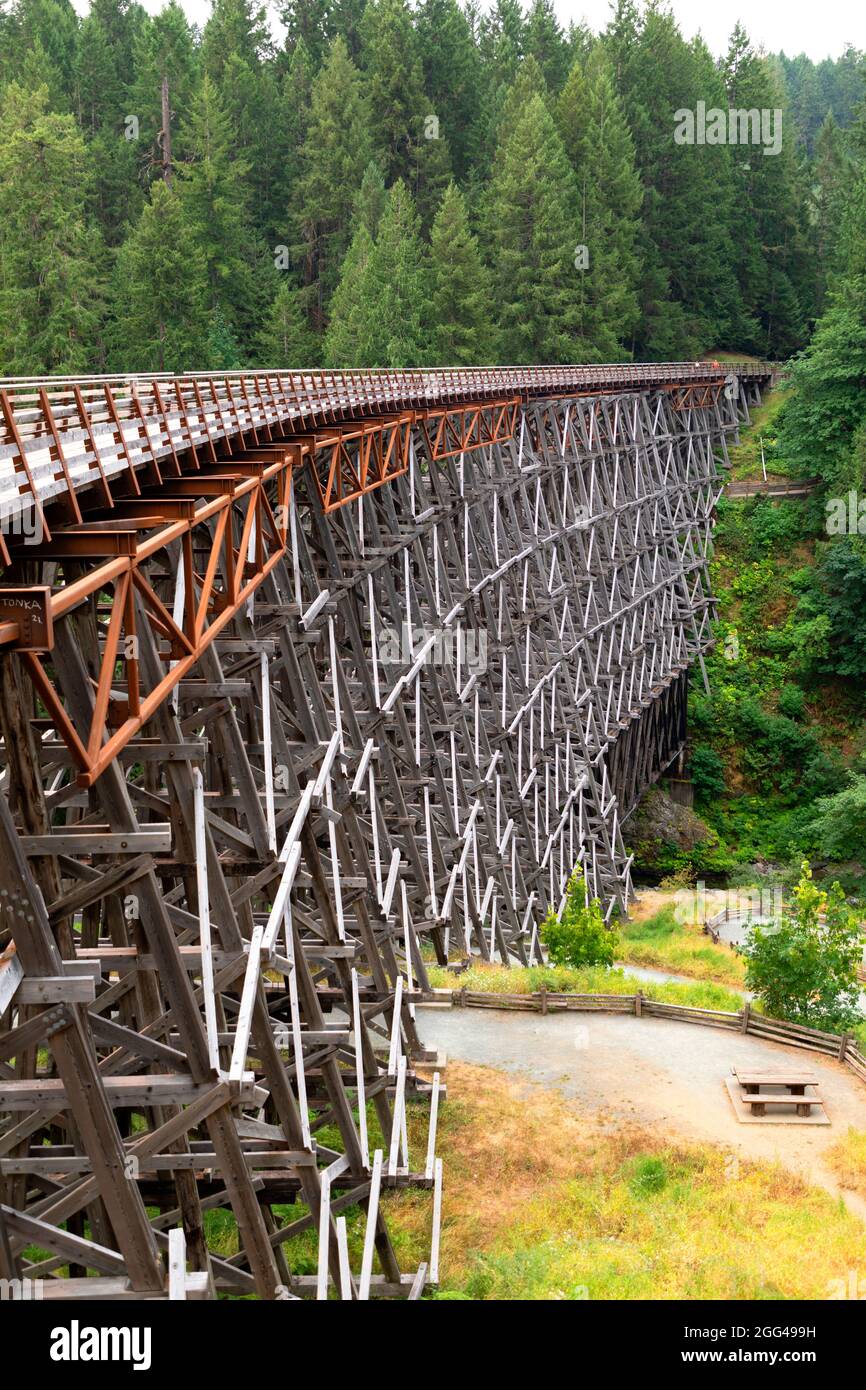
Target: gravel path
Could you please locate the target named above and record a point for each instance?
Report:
(661, 1074)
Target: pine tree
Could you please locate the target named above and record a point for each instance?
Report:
(531, 235)
(50, 255)
(394, 288)
(461, 293)
(336, 152)
(286, 340)
(545, 41)
(215, 206)
(42, 34)
(833, 175)
(370, 202)
(598, 142)
(102, 77)
(452, 77)
(380, 309)
(688, 294)
(345, 342)
(221, 350)
(164, 49)
(410, 138)
(775, 278)
(237, 53)
(160, 316)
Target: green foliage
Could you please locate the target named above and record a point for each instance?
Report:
(579, 937)
(839, 828)
(708, 772)
(599, 145)
(335, 154)
(554, 140)
(649, 1175)
(159, 294)
(286, 340)
(804, 967)
(531, 224)
(215, 206)
(461, 294)
(50, 254)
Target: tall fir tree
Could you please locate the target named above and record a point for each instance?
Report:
(163, 50)
(336, 152)
(285, 340)
(688, 294)
(160, 309)
(462, 319)
(381, 308)
(545, 41)
(598, 143)
(104, 64)
(213, 190)
(370, 201)
(775, 278)
(452, 77)
(50, 254)
(531, 236)
(409, 136)
(346, 340)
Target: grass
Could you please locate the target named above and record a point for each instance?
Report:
(540, 1205)
(596, 979)
(847, 1159)
(680, 947)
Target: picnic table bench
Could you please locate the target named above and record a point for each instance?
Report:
(788, 1087)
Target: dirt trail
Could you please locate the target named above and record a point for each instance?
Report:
(664, 1075)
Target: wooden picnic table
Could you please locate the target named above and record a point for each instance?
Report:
(790, 1081)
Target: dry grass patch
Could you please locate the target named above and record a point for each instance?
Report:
(541, 1203)
(847, 1159)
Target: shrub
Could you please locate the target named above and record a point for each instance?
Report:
(708, 773)
(839, 829)
(804, 967)
(791, 702)
(579, 937)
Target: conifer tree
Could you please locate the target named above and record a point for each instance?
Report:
(214, 199)
(775, 279)
(461, 294)
(410, 138)
(102, 77)
(335, 154)
(370, 202)
(452, 77)
(597, 140)
(394, 288)
(286, 340)
(688, 293)
(50, 255)
(380, 311)
(531, 237)
(163, 49)
(544, 40)
(160, 312)
(345, 343)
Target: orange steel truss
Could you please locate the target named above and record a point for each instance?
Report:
(452, 432)
(227, 544)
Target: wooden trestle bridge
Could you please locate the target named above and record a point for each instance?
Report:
(301, 672)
